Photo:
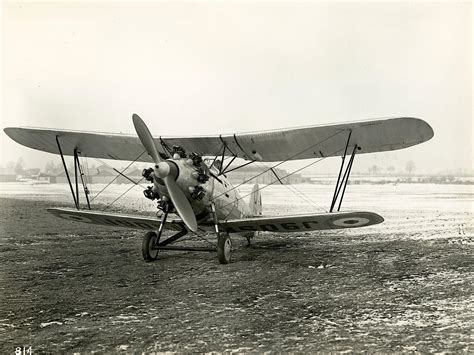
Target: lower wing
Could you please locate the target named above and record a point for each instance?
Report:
(306, 222)
(288, 224)
(115, 219)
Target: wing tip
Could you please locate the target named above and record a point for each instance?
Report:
(9, 130)
(377, 218)
(428, 130)
(13, 133)
(425, 130)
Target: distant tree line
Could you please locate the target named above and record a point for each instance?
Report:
(410, 168)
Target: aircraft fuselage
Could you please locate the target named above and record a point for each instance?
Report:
(217, 189)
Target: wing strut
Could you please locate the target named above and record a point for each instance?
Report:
(67, 173)
(342, 183)
(223, 170)
(77, 168)
(166, 147)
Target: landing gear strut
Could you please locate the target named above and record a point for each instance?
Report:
(224, 244)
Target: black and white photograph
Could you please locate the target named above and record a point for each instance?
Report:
(236, 177)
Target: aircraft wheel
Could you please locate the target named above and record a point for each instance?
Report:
(148, 252)
(224, 248)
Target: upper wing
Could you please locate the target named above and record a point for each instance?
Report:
(303, 223)
(276, 145)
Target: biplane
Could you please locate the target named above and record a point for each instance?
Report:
(188, 176)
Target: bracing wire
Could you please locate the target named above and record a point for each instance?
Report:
(116, 177)
(120, 173)
(305, 198)
(131, 187)
(278, 164)
(284, 177)
(297, 192)
(203, 239)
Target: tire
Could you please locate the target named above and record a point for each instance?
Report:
(224, 248)
(149, 254)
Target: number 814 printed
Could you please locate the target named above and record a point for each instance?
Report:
(25, 350)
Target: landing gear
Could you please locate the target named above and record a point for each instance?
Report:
(151, 244)
(224, 248)
(149, 251)
(224, 244)
(151, 240)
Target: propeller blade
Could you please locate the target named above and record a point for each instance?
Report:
(146, 138)
(181, 203)
(179, 199)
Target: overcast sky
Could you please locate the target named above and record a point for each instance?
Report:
(205, 68)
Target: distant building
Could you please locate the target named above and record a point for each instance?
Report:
(7, 175)
(45, 178)
(102, 175)
(31, 173)
(263, 175)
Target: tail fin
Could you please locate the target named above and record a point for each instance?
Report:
(255, 203)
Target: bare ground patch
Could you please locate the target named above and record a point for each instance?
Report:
(68, 287)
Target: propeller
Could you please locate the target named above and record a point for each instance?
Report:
(168, 172)
(146, 138)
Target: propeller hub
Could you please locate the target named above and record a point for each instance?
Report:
(162, 169)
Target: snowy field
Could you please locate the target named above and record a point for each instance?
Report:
(404, 285)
